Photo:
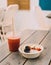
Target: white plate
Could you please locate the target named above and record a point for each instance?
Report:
(32, 53)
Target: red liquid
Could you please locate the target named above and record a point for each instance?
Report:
(14, 44)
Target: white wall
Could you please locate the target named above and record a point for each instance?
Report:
(33, 19)
(30, 19)
(3, 4)
(25, 20)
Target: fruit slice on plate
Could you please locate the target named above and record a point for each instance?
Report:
(30, 50)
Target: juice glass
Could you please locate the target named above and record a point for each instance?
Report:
(14, 43)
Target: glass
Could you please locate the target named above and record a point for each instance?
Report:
(14, 43)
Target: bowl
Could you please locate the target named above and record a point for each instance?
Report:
(35, 51)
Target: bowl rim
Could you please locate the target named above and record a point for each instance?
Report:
(30, 53)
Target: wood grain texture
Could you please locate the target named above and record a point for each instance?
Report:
(33, 37)
(26, 34)
(4, 51)
(9, 2)
(14, 59)
(23, 4)
(37, 37)
(45, 57)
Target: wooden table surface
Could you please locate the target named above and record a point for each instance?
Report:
(38, 37)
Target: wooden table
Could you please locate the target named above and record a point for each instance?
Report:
(37, 37)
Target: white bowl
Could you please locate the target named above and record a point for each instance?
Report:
(32, 53)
